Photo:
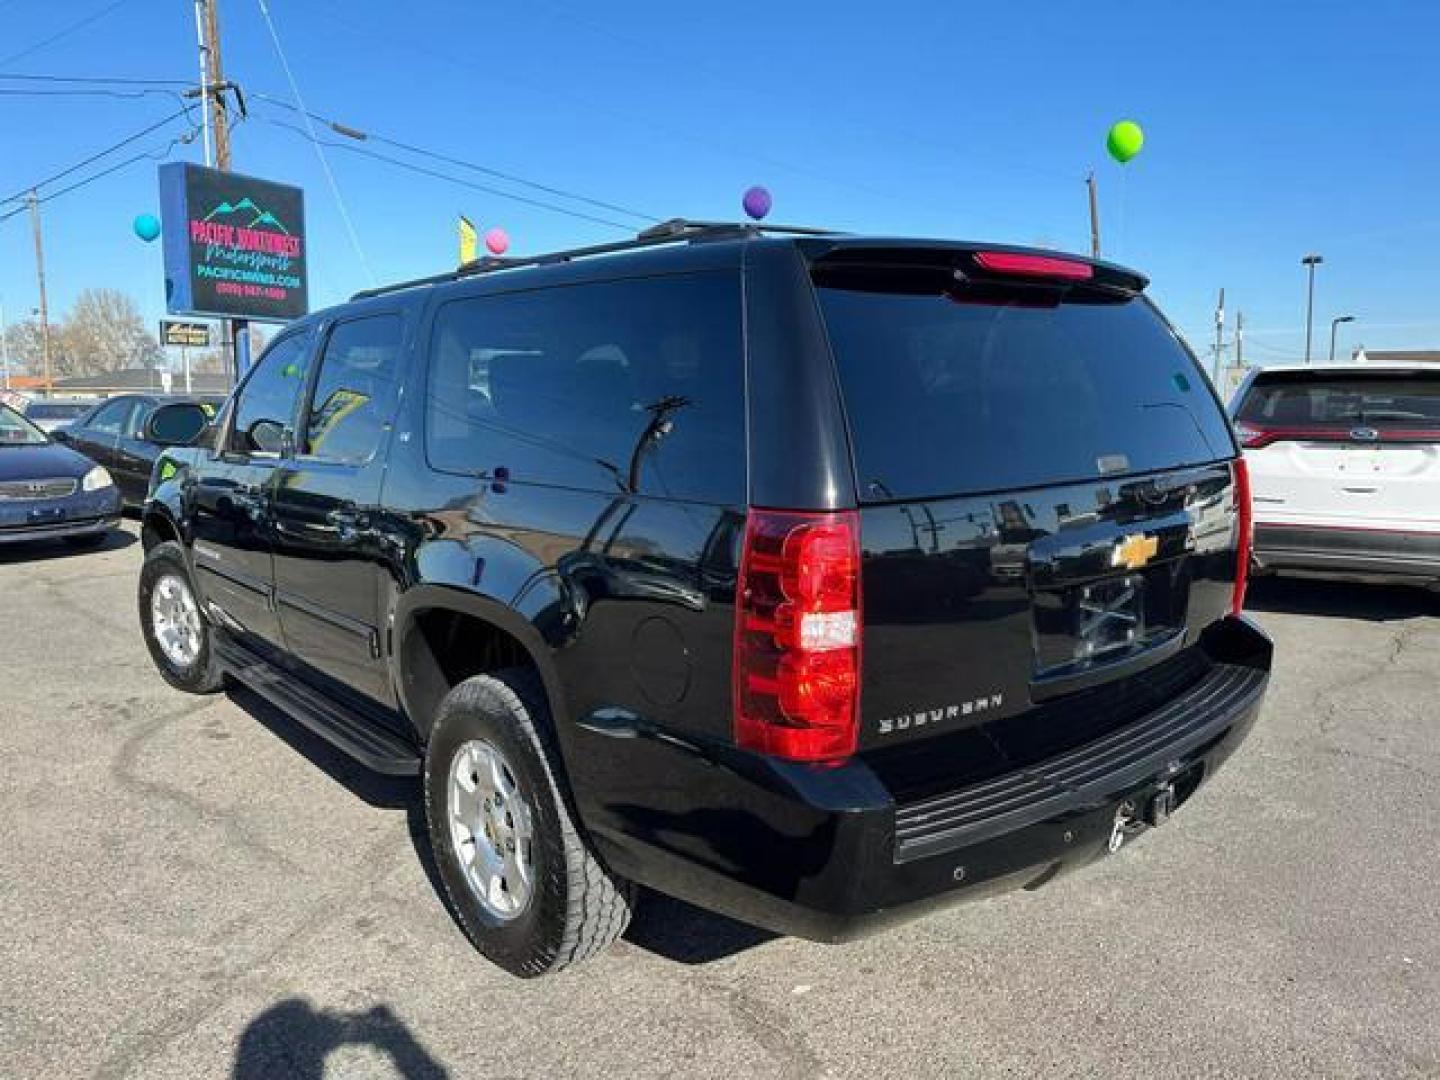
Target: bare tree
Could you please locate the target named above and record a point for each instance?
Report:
(22, 342)
(104, 332)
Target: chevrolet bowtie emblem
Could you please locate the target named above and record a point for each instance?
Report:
(1133, 552)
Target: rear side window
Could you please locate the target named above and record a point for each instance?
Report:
(615, 386)
(354, 390)
(949, 393)
(1287, 399)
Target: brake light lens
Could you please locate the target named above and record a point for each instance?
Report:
(1245, 524)
(1023, 265)
(797, 635)
(1251, 437)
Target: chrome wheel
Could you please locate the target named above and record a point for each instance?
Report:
(175, 620)
(491, 829)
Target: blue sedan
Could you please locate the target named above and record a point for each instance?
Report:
(48, 491)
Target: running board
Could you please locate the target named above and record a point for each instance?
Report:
(362, 740)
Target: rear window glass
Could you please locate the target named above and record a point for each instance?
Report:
(633, 385)
(949, 393)
(1297, 398)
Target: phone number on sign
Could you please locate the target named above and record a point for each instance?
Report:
(264, 292)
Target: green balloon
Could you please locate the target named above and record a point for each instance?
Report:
(1125, 140)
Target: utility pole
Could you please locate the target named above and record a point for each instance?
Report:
(1239, 339)
(204, 77)
(219, 116)
(4, 344)
(1094, 216)
(1310, 262)
(1219, 333)
(234, 332)
(34, 201)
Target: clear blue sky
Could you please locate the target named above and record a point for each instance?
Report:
(1272, 129)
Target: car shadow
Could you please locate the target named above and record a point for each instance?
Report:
(56, 550)
(674, 930)
(667, 928)
(1342, 599)
(292, 1038)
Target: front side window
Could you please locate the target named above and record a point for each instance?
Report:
(355, 390)
(620, 386)
(266, 405)
(113, 417)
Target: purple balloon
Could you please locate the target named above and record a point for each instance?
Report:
(756, 202)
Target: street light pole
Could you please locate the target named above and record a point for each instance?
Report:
(1335, 322)
(1310, 261)
(4, 345)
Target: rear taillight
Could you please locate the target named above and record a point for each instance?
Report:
(797, 635)
(1251, 437)
(1023, 265)
(1245, 526)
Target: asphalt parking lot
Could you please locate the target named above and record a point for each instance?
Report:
(197, 888)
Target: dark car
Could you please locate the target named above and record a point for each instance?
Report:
(112, 433)
(48, 491)
(52, 414)
(813, 579)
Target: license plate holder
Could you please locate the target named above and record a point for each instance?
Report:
(1107, 616)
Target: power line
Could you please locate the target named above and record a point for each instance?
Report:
(486, 170)
(99, 79)
(149, 155)
(94, 157)
(424, 171)
(319, 151)
(66, 32)
(7, 91)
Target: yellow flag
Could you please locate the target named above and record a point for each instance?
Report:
(469, 241)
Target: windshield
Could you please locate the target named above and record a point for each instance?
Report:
(954, 392)
(1297, 398)
(15, 430)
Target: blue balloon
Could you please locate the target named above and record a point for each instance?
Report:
(147, 227)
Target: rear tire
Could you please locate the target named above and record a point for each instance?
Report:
(550, 902)
(180, 640)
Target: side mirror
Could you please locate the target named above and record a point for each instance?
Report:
(178, 424)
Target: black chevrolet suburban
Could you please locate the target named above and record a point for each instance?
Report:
(813, 579)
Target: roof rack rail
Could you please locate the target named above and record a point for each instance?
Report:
(676, 230)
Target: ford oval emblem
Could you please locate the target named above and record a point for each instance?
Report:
(1364, 434)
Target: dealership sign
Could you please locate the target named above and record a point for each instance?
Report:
(234, 245)
(188, 335)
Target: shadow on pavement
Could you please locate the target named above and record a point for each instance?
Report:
(675, 930)
(1345, 599)
(293, 1039)
(52, 550)
(668, 928)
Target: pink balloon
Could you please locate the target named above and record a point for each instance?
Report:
(497, 241)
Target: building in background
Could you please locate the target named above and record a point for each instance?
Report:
(1363, 355)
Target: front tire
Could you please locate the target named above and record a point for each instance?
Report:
(523, 883)
(175, 630)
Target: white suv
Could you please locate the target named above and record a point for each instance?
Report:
(1344, 468)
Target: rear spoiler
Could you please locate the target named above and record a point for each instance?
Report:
(987, 263)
